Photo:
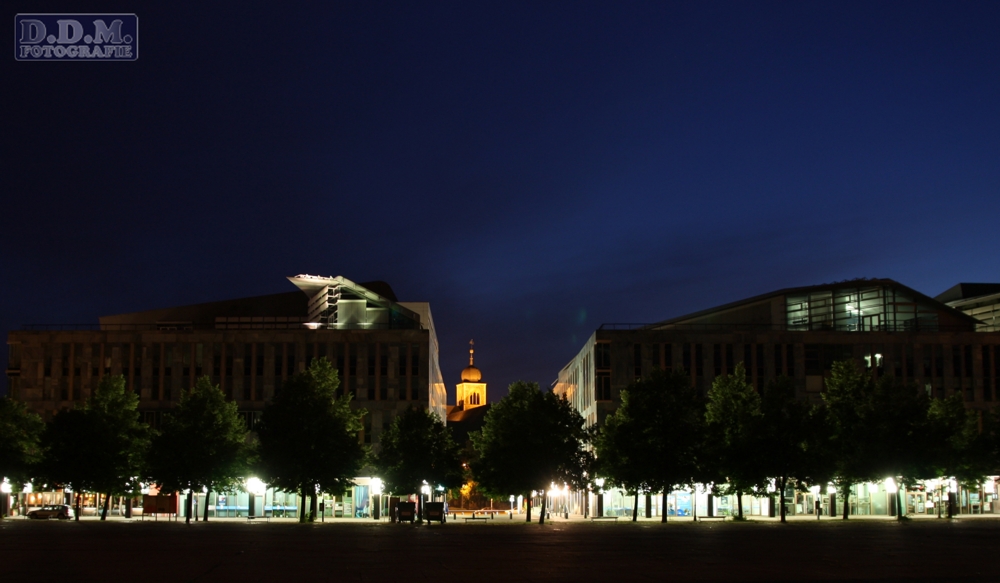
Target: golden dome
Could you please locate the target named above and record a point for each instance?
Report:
(471, 374)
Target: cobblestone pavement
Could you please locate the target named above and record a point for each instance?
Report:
(860, 549)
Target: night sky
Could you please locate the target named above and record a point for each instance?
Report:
(531, 169)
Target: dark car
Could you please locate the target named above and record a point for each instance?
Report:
(60, 511)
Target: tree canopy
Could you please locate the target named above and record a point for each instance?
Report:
(202, 443)
(309, 436)
(786, 438)
(530, 440)
(20, 441)
(734, 422)
(621, 449)
(102, 447)
(417, 447)
(666, 414)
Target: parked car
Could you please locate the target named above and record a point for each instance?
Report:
(60, 511)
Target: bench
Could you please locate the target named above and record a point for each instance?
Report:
(474, 517)
(256, 517)
(615, 518)
(722, 518)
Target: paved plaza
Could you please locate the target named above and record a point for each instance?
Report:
(861, 549)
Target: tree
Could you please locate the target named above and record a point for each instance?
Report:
(20, 441)
(530, 440)
(65, 462)
(848, 400)
(101, 448)
(621, 446)
(733, 419)
(784, 436)
(202, 444)
(955, 448)
(309, 436)
(654, 439)
(415, 449)
(120, 440)
(899, 424)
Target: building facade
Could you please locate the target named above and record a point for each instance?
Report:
(386, 353)
(799, 333)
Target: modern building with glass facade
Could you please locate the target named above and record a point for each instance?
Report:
(385, 350)
(979, 300)
(797, 332)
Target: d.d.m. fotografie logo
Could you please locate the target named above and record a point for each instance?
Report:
(76, 37)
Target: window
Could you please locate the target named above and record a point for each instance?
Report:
(168, 372)
(474, 399)
(602, 356)
(819, 358)
(602, 386)
(186, 364)
(858, 309)
(157, 371)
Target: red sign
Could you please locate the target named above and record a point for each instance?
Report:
(163, 504)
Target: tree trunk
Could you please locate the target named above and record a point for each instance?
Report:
(782, 482)
(847, 500)
(635, 507)
(302, 507)
(312, 506)
(204, 516)
(77, 517)
(188, 506)
(901, 499)
(541, 515)
(104, 509)
(420, 508)
(739, 503)
(663, 513)
(528, 499)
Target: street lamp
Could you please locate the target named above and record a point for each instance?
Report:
(376, 486)
(5, 490)
(254, 487)
(893, 490)
(816, 502)
(425, 490)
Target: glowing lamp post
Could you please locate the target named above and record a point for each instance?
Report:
(893, 491)
(817, 505)
(376, 486)
(5, 490)
(254, 487)
(425, 490)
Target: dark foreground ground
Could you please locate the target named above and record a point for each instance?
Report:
(860, 550)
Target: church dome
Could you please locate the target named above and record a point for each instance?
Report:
(471, 374)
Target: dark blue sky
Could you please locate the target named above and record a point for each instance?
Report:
(531, 169)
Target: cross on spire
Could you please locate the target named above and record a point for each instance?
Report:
(471, 351)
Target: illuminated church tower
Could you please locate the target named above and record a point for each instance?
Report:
(470, 392)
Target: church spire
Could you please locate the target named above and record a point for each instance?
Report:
(471, 351)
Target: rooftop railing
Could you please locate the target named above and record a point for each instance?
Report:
(704, 327)
(221, 326)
